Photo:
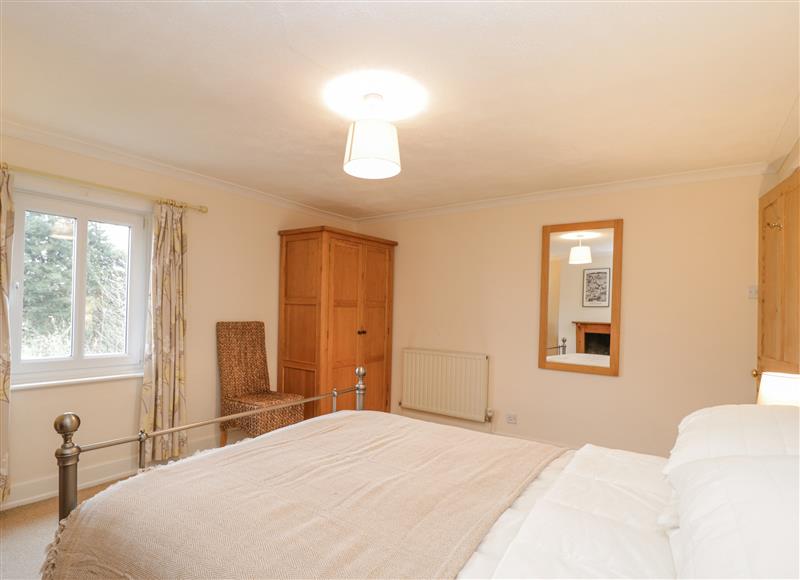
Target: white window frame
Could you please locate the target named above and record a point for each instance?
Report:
(80, 366)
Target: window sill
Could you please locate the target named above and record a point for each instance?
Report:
(77, 381)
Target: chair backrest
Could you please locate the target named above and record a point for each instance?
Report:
(242, 358)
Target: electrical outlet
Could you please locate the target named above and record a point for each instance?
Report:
(511, 418)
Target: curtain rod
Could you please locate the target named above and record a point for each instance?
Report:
(84, 183)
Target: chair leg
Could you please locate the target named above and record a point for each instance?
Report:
(223, 438)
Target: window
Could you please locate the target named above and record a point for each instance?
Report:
(79, 290)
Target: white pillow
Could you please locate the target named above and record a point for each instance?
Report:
(739, 517)
(747, 430)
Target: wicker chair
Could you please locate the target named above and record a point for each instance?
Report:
(244, 381)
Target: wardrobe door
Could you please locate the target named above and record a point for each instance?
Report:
(344, 287)
(375, 329)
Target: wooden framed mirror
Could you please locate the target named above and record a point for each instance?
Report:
(581, 286)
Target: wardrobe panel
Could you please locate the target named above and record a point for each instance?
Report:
(376, 398)
(344, 336)
(303, 382)
(345, 270)
(374, 341)
(302, 272)
(376, 274)
(301, 330)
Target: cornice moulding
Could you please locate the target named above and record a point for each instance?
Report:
(23, 132)
(41, 137)
(713, 174)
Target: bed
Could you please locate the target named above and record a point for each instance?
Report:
(372, 495)
(581, 358)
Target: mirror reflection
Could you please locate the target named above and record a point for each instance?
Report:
(579, 329)
(579, 317)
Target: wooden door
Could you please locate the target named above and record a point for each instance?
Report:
(344, 288)
(779, 288)
(375, 324)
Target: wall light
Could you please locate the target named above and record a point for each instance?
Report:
(779, 389)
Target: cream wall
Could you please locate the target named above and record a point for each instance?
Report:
(233, 275)
(469, 281)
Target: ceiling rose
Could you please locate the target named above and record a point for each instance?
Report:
(581, 235)
(350, 95)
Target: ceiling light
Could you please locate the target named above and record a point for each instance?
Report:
(372, 150)
(580, 254)
(372, 99)
(401, 97)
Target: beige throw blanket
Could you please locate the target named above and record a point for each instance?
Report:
(351, 495)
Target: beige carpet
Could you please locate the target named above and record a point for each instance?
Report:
(25, 532)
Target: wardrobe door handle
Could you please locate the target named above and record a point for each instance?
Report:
(362, 332)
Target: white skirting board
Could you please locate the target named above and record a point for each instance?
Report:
(89, 475)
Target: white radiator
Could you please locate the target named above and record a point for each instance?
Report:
(447, 383)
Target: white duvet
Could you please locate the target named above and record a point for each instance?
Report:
(484, 561)
(597, 518)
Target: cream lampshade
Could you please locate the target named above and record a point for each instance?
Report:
(580, 254)
(779, 389)
(372, 150)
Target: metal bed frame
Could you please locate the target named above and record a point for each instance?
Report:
(561, 348)
(68, 453)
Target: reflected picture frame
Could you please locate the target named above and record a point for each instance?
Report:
(596, 287)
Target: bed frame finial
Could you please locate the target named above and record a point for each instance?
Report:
(361, 388)
(67, 456)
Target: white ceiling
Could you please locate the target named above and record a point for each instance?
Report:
(524, 97)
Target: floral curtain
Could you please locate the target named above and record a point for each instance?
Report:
(6, 235)
(163, 402)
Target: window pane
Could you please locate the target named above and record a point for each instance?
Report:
(47, 295)
(108, 252)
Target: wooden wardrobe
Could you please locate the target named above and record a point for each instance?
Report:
(335, 314)
(779, 278)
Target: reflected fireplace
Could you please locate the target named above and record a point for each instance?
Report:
(597, 343)
(593, 337)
